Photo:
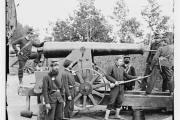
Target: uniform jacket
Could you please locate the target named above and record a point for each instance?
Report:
(115, 73)
(154, 46)
(129, 69)
(165, 56)
(27, 50)
(50, 93)
(69, 83)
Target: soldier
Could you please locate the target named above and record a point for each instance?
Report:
(115, 74)
(53, 93)
(23, 54)
(129, 70)
(164, 61)
(69, 85)
(154, 46)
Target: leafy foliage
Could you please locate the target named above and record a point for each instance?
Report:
(129, 29)
(87, 24)
(120, 11)
(156, 22)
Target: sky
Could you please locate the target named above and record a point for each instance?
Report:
(38, 13)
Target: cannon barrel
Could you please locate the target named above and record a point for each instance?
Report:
(62, 49)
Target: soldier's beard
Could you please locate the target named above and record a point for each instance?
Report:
(53, 72)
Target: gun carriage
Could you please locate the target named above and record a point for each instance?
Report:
(92, 87)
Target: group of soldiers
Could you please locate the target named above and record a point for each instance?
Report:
(59, 91)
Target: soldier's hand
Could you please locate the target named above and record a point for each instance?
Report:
(17, 53)
(69, 98)
(116, 83)
(73, 72)
(111, 85)
(48, 106)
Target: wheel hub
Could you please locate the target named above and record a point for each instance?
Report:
(85, 88)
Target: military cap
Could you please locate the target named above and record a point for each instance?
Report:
(67, 63)
(30, 31)
(54, 62)
(126, 57)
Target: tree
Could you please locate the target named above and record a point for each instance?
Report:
(156, 22)
(87, 24)
(120, 12)
(129, 30)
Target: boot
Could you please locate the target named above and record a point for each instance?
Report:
(107, 115)
(117, 116)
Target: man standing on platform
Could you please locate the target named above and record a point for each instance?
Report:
(164, 61)
(24, 53)
(116, 74)
(130, 70)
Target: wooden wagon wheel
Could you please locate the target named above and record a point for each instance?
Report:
(90, 88)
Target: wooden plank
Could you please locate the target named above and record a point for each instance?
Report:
(139, 100)
(27, 91)
(143, 92)
(148, 100)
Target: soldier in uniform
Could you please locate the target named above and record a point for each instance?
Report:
(164, 61)
(154, 46)
(129, 70)
(53, 93)
(116, 74)
(69, 85)
(23, 54)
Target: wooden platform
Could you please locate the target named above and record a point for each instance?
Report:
(136, 99)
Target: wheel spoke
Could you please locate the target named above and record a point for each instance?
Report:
(87, 79)
(84, 101)
(80, 77)
(98, 93)
(92, 99)
(94, 78)
(98, 86)
(77, 97)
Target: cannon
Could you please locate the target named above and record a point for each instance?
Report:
(91, 85)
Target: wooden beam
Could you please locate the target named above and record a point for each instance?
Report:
(138, 99)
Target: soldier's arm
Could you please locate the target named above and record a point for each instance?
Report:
(45, 90)
(128, 76)
(66, 86)
(133, 71)
(109, 74)
(156, 57)
(14, 43)
(37, 44)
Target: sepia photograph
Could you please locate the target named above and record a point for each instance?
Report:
(89, 59)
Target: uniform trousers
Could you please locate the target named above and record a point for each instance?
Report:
(167, 75)
(22, 63)
(116, 97)
(69, 107)
(56, 111)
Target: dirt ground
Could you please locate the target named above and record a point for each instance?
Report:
(17, 103)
